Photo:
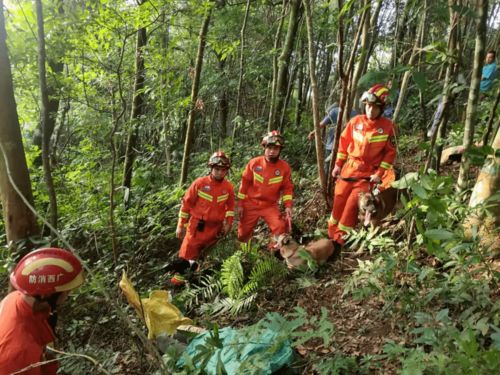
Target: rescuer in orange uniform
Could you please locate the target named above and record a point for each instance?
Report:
(366, 152)
(265, 180)
(207, 210)
(42, 280)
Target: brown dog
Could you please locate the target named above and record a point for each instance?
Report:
(373, 208)
(319, 250)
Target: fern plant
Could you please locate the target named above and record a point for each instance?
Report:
(241, 290)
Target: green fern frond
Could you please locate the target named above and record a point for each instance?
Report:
(232, 277)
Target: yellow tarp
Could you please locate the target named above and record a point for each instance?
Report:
(159, 314)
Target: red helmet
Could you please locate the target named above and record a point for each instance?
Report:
(273, 138)
(219, 159)
(377, 94)
(47, 271)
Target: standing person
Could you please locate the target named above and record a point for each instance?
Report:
(366, 152)
(265, 180)
(330, 119)
(42, 280)
(489, 72)
(389, 107)
(207, 211)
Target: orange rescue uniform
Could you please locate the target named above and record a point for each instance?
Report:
(366, 147)
(24, 335)
(262, 185)
(211, 201)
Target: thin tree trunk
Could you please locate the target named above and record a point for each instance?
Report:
(489, 125)
(447, 95)
(223, 101)
(52, 106)
(194, 96)
(364, 29)
(282, 64)
(315, 109)
(299, 107)
(406, 76)
(482, 12)
(45, 118)
(242, 62)
(163, 100)
(137, 107)
(20, 222)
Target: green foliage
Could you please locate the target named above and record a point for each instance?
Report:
(242, 290)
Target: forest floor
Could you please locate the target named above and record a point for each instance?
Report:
(362, 326)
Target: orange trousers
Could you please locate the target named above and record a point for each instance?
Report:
(195, 241)
(344, 215)
(251, 215)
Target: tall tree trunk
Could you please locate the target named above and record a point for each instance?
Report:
(482, 12)
(489, 125)
(164, 99)
(401, 24)
(137, 107)
(52, 106)
(222, 100)
(365, 43)
(299, 107)
(487, 184)
(406, 76)
(320, 157)
(283, 64)
(45, 118)
(242, 61)
(194, 96)
(447, 95)
(19, 220)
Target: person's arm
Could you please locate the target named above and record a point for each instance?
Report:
(188, 201)
(344, 141)
(228, 223)
(388, 158)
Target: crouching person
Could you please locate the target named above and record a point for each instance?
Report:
(42, 280)
(206, 213)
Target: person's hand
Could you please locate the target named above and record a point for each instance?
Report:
(288, 213)
(310, 136)
(336, 171)
(180, 232)
(375, 178)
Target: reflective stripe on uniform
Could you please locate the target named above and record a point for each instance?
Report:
(379, 138)
(205, 196)
(275, 180)
(229, 213)
(331, 220)
(344, 228)
(183, 215)
(222, 198)
(341, 156)
(241, 195)
(287, 198)
(258, 177)
(385, 165)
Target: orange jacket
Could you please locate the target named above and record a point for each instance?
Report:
(367, 146)
(24, 335)
(208, 199)
(264, 183)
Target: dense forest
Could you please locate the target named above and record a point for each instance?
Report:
(110, 109)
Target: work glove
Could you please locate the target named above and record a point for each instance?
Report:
(375, 178)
